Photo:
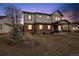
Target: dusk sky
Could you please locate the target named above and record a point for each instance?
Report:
(49, 8)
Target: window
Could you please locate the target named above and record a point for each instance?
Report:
(1, 26)
(29, 17)
(49, 26)
(73, 28)
(58, 18)
(29, 27)
(76, 28)
(40, 26)
(47, 17)
(59, 28)
(40, 16)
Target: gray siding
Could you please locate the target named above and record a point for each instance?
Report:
(56, 15)
(5, 28)
(26, 20)
(43, 18)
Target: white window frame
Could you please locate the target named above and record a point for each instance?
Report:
(76, 28)
(39, 16)
(40, 27)
(59, 28)
(29, 27)
(58, 18)
(48, 17)
(30, 17)
(48, 26)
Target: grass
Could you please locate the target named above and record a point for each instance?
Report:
(50, 45)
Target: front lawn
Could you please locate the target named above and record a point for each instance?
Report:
(49, 45)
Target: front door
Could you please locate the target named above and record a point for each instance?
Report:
(55, 28)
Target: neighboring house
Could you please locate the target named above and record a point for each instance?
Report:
(4, 28)
(42, 23)
(74, 27)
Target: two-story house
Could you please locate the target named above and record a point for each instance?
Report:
(42, 23)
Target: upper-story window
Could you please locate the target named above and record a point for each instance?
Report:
(40, 16)
(30, 17)
(57, 18)
(47, 17)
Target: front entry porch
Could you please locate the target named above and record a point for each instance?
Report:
(61, 26)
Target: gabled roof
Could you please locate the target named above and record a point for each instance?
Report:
(75, 23)
(43, 13)
(1, 17)
(61, 21)
(28, 12)
(58, 12)
(35, 13)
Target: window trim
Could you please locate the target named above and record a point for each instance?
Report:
(59, 27)
(48, 27)
(47, 17)
(29, 27)
(39, 16)
(58, 18)
(40, 27)
(29, 17)
(75, 28)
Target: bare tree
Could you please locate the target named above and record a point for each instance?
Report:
(14, 14)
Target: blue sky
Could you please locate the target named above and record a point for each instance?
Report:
(42, 7)
(35, 7)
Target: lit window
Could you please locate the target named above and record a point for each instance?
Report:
(49, 26)
(29, 27)
(58, 18)
(76, 28)
(29, 17)
(40, 26)
(40, 16)
(73, 28)
(59, 28)
(47, 17)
